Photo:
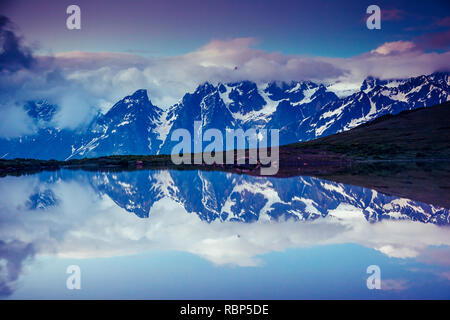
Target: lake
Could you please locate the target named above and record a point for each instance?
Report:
(168, 234)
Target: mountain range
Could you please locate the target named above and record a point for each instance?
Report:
(301, 110)
(221, 196)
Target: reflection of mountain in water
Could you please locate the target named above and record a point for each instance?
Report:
(80, 215)
(224, 196)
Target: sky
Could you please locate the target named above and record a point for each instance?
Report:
(170, 47)
(174, 27)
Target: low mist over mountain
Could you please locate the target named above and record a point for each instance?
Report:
(301, 110)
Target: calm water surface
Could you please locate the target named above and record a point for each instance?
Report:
(214, 235)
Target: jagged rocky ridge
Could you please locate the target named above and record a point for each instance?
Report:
(220, 196)
(301, 110)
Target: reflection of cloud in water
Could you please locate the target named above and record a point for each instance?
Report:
(71, 218)
(85, 224)
(394, 284)
(436, 256)
(13, 254)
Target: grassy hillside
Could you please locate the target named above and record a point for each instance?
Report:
(418, 134)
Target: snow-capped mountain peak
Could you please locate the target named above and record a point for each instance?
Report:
(302, 110)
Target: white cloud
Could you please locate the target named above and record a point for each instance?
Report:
(394, 47)
(84, 82)
(84, 225)
(14, 121)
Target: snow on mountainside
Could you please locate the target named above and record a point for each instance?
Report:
(376, 98)
(127, 128)
(301, 110)
(221, 196)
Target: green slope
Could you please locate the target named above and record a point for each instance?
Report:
(419, 134)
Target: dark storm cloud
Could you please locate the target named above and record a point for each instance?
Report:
(13, 54)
